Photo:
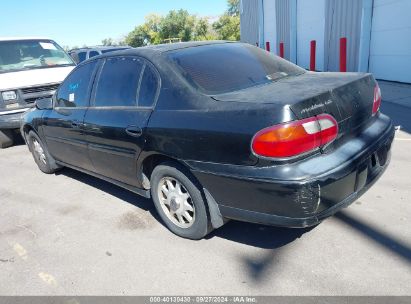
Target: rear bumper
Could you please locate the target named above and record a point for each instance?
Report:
(303, 193)
(11, 120)
(298, 222)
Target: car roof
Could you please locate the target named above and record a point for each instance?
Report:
(162, 48)
(182, 45)
(23, 38)
(154, 52)
(100, 47)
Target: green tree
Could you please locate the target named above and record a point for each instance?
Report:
(228, 25)
(203, 30)
(177, 24)
(147, 33)
(233, 7)
(138, 37)
(151, 26)
(107, 42)
(180, 24)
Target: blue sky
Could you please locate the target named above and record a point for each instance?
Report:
(79, 22)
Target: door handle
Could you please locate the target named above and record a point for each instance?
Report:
(134, 131)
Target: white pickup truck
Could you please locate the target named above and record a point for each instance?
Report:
(30, 68)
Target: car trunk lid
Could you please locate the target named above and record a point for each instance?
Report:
(348, 97)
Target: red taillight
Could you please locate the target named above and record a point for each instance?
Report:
(296, 137)
(377, 100)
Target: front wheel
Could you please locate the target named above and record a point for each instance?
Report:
(43, 159)
(179, 201)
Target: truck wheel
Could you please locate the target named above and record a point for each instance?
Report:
(6, 138)
(179, 201)
(43, 159)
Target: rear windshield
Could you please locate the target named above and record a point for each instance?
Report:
(222, 68)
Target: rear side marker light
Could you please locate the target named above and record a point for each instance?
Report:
(377, 100)
(296, 137)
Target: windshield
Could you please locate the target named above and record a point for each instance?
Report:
(31, 54)
(222, 68)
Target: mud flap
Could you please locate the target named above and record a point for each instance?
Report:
(216, 218)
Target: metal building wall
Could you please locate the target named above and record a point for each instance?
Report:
(342, 19)
(249, 21)
(310, 26)
(283, 21)
(270, 25)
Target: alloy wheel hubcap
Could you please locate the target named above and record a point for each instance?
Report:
(176, 202)
(39, 151)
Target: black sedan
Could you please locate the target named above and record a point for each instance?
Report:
(213, 131)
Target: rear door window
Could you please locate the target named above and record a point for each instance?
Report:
(73, 92)
(148, 87)
(227, 67)
(118, 82)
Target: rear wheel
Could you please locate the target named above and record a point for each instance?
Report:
(179, 201)
(6, 138)
(43, 159)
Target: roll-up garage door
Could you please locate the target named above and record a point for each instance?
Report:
(390, 49)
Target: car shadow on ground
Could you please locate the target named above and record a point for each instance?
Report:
(246, 233)
(399, 114)
(109, 188)
(274, 239)
(377, 235)
(259, 266)
(260, 236)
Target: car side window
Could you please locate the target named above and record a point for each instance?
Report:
(93, 53)
(81, 56)
(148, 87)
(118, 82)
(73, 92)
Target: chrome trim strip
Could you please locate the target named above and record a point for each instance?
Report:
(13, 111)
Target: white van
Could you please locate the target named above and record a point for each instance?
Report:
(30, 68)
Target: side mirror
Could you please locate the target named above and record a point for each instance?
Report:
(44, 103)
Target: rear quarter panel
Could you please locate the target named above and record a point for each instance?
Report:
(211, 131)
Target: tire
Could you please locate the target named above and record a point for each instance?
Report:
(42, 157)
(176, 202)
(6, 138)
